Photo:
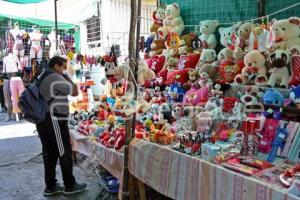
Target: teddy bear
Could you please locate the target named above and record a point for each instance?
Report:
(279, 70)
(144, 73)
(255, 70)
(207, 37)
(186, 43)
(243, 34)
(158, 17)
(173, 20)
(285, 33)
(157, 47)
(207, 63)
(226, 34)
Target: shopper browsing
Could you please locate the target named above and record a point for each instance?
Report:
(54, 131)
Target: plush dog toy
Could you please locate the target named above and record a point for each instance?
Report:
(279, 70)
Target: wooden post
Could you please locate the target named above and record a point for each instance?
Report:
(129, 122)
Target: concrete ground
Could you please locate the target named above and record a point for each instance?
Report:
(21, 167)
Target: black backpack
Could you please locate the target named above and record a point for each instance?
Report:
(32, 104)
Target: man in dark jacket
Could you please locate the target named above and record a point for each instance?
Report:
(54, 131)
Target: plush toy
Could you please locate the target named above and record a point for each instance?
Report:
(295, 67)
(188, 61)
(243, 34)
(196, 96)
(162, 33)
(144, 73)
(295, 96)
(186, 43)
(226, 34)
(250, 99)
(156, 63)
(147, 45)
(164, 113)
(207, 63)
(177, 76)
(255, 70)
(173, 20)
(279, 70)
(230, 64)
(177, 112)
(157, 47)
(158, 16)
(285, 33)
(172, 63)
(175, 93)
(273, 97)
(172, 44)
(204, 122)
(109, 63)
(207, 37)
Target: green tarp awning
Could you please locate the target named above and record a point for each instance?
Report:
(39, 22)
(24, 1)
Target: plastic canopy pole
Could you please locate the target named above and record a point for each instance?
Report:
(55, 14)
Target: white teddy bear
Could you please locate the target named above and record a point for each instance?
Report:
(207, 37)
(226, 34)
(173, 20)
(285, 33)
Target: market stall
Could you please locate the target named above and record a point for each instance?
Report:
(215, 115)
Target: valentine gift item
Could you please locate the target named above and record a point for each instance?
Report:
(198, 96)
(250, 143)
(177, 76)
(255, 70)
(295, 70)
(243, 34)
(278, 143)
(288, 177)
(267, 135)
(279, 71)
(173, 20)
(158, 16)
(285, 33)
(207, 63)
(258, 38)
(188, 61)
(207, 36)
(156, 63)
(226, 34)
(294, 152)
